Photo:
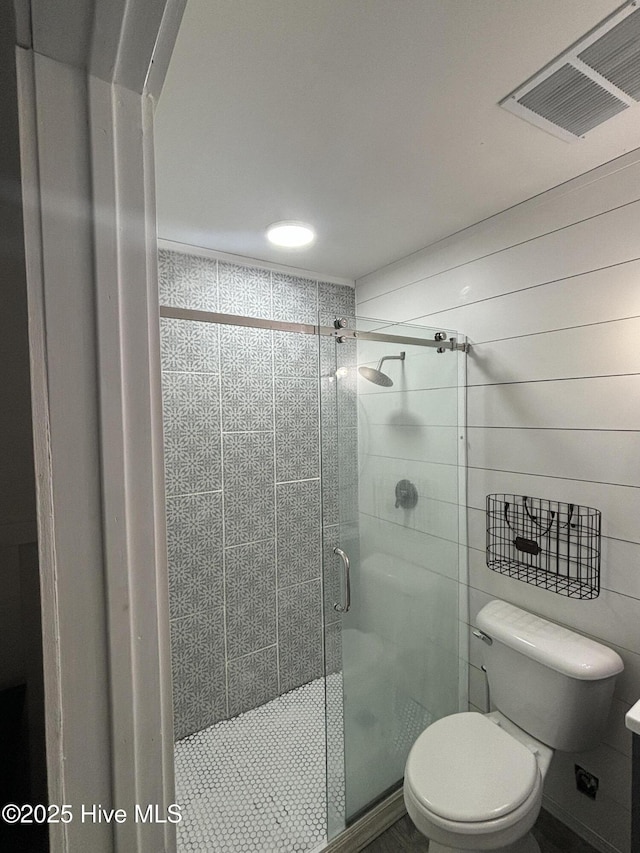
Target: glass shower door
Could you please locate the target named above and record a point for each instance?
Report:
(391, 416)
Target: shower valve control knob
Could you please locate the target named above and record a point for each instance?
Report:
(406, 495)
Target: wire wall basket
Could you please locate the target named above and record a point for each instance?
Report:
(552, 545)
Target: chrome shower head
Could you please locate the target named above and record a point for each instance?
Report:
(375, 375)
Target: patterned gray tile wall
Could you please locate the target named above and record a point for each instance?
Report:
(244, 508)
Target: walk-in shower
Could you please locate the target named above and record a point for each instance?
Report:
(293, 712)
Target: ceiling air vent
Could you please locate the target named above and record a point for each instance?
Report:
(591, 82)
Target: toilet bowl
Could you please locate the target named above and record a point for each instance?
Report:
(474, 782)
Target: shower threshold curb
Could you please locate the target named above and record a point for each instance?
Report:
(369, 827)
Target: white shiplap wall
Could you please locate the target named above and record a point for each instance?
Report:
(549, 295)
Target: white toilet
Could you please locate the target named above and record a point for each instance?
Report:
(474, 781)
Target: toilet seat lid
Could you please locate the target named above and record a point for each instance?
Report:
(466, 768)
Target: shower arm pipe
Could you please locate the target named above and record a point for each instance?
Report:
(341, 334)
(384, 358)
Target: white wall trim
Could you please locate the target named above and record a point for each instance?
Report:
(135, 549)
(201, 251)
(128, 42)
(163, 48)
(91, 254)
(42, 438)
(22, 9)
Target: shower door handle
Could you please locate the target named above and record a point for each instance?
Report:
(346, 606)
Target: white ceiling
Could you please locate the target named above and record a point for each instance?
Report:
(374, 120)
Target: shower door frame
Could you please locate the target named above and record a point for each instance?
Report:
(378, 814)
(336, 331)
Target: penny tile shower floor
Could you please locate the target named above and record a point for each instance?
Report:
(256, 783)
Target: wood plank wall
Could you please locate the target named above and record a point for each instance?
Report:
(548, 293)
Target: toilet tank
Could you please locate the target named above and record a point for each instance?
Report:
(553, 683)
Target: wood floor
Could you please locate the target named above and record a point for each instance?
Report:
(552, 836)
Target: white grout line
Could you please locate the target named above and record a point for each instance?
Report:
(224, 515)
(275, 497)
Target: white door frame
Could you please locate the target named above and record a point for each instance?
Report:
(87, 76)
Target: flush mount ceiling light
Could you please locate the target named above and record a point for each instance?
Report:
(290, 235)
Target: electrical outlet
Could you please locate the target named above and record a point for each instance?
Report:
(586, 782)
